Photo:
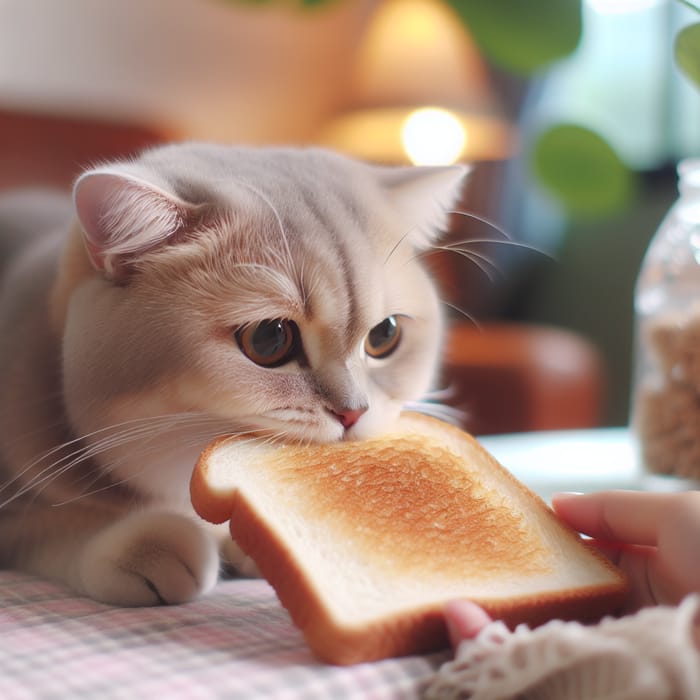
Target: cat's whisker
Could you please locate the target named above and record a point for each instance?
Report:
(280, 224)
(482, 219)
(438, 395)
(457, 245)
(480, 260)
(148, 433)
(108, 468)
(200, 439)
(462, 312)
(79, 440)
(471, 215)
(37, 461)
(211, 429)
(44, 429)
(398, 244)
(51, 472)
(91, 493)
(143, 451)
(442, 411)
(36, 485)
(149, 427)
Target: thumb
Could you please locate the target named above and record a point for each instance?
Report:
(464, 620)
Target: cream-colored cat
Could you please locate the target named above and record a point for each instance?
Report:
(197, 290)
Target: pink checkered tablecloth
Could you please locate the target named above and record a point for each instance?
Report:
(237, 642)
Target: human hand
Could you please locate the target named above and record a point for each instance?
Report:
(653, 537)
(464, 620)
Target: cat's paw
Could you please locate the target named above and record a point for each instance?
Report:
(233, 556)
(149, 558)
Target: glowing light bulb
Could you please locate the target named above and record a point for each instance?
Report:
(432, 136)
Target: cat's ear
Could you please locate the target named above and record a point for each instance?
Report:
(123, 216)
(424, 196)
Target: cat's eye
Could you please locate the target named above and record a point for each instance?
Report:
(270, 343)
(384, 338)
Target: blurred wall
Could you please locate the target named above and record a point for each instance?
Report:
(205, 69)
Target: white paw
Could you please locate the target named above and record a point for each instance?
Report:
(234, 556)
(149, 558)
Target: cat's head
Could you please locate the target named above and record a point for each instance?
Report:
(276, 289)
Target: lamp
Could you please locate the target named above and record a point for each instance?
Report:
(419, 92)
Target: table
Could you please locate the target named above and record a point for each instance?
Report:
(569, 460)
(578, 460)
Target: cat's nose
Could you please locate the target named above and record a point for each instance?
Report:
(349, 416)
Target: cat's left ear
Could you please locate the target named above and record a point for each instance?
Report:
(124, 215)
(424, 195)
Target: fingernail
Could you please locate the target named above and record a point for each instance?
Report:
(560, 495)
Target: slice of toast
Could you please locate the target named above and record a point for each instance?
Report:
(364, 542)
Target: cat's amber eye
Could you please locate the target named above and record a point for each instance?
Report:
(270, 343)
(384, 338)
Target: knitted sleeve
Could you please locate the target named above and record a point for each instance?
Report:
(652, 655)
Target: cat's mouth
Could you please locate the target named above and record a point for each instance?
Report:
(301, 426)
(324, 424)
(348, 417)
(305, 428)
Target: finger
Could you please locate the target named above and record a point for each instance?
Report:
(675, 570)
(632, 517)
(464, 620)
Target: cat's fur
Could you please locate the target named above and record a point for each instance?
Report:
(118, 355)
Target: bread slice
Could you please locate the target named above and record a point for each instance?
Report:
(364, 542)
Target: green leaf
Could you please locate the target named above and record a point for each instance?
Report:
(687, 51)
(522, 36)
(581, 170)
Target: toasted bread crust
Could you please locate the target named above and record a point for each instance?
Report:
(212, 505)
(418, 631)
(421, 629)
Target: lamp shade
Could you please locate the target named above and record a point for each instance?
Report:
(420, 92)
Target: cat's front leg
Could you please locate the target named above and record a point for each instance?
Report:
(148, 558)
(142, 557)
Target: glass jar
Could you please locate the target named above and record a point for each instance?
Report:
(666, 386)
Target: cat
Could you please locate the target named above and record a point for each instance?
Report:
(195, 290)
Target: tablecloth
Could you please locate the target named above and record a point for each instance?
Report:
(237, 642)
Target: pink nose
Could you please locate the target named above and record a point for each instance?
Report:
(348, 417)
